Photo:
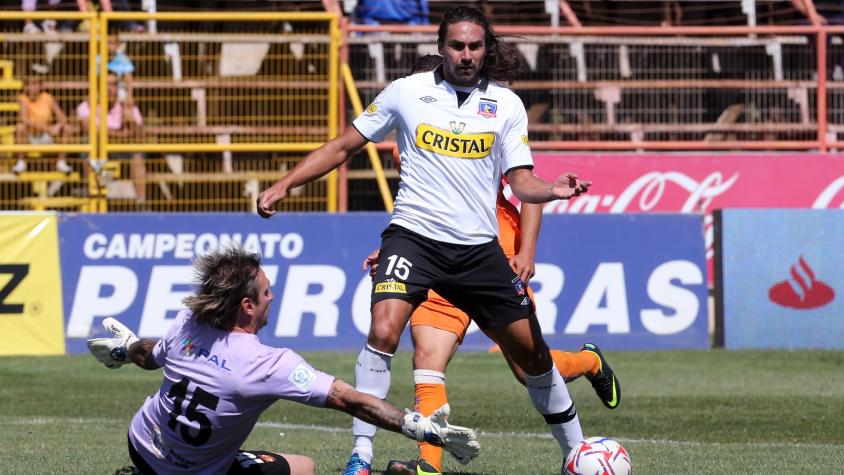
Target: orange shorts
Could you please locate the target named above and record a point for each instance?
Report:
(439, 313)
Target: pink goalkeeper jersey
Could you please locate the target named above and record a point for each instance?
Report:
(216, 385)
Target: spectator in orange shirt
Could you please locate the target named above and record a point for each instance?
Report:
(41, 122)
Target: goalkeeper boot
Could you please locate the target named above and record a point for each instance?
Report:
(604, 382)
(356, 466)
(417, 467)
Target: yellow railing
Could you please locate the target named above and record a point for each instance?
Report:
(371, 151)
(257, 91)
(45, 63)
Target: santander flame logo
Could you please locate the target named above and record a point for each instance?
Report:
(803, 290)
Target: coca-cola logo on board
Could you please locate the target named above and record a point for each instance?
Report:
(826, 198)
(647, 191)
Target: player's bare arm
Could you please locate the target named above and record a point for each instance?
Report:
(316, 164)
(461, 442)
(344, 397)
(531, 189)
(140, 353)
(524, 262)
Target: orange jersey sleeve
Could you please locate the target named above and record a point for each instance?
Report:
(396, 159)
(509, 230)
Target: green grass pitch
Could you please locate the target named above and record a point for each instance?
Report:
(683, 412)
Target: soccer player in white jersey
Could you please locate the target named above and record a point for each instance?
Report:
(459, 130)
(219, 378)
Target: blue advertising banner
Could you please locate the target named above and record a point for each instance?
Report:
(782, 278)
(623, 281)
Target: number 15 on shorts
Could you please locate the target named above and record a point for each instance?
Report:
(397, 267)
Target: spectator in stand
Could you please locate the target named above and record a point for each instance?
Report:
(120, 68)
(374, 12)
(672, 13)
(108, 6)
(123, 120)
(41, 122)
(81, 5)
(47, 25)
(830, 12)
(119, 63)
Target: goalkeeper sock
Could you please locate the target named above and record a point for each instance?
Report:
(551, 398)
(372, 376)
(430, 396)
(575, 365)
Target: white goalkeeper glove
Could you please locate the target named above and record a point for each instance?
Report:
(113, 352)
(461, 442)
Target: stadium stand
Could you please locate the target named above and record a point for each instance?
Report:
(229, 105)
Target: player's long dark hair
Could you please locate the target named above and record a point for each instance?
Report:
(224, 277)
(503, 62)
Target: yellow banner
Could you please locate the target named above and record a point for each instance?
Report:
(31, 317)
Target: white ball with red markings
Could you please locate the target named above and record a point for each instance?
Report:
(598, 456)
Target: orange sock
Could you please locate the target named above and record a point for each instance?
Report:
(575, 365)
(430, 396)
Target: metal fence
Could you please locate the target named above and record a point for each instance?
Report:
(645, 88)
(198, 114)
(207, 109)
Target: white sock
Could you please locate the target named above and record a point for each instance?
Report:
(428, 376)
(551, 398)
(372, 376)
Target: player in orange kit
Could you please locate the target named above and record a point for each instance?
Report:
(438, 327)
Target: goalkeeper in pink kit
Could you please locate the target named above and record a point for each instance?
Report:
(219, 378)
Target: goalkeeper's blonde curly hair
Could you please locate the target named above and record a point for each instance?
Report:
(224, 277)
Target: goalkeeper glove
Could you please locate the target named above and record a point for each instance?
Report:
(461, 442)
(113, 352)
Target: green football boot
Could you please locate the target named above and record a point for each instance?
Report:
(605, 383)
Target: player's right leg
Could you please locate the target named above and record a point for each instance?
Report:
(372, 374)
(400, 283)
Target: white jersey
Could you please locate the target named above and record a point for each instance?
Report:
(452, 158)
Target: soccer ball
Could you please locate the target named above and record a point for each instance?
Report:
(598, 456)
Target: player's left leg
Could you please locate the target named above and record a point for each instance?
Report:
(496, 298)
(260, 462)
(589, 362)
(522, 342)
(570, 365)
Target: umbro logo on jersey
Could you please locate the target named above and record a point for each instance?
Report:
(427, 99)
